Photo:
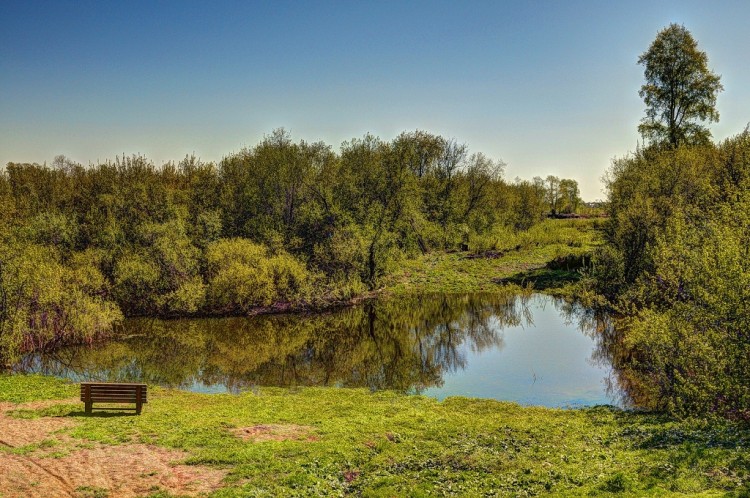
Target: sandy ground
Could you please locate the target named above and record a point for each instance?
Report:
(64, 467)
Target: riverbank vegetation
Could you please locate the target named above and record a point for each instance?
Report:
(676, 262)
(336, 442)
(281, 225)
(547, 257)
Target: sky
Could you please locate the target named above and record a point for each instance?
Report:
(548, 87)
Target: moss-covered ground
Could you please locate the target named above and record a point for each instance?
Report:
(342, 442)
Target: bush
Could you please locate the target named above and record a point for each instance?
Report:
(238, 288)
(290, 277)
(242, 275)
(677, 266)
(47, 303)
(189, 298)
(136, 280)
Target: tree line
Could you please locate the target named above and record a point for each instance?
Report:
(279, 223)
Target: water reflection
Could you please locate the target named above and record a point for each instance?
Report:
(409, 344)
(608, 352)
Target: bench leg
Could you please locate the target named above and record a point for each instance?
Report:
(88, 406)
(138, 399)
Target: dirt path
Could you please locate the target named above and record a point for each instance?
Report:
(37, 458)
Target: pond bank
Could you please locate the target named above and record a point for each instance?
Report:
(321, 441)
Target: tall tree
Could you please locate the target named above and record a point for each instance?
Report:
(569, 195)
(679, 91)
(553, 193)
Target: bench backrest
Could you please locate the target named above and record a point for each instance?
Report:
(111, 392)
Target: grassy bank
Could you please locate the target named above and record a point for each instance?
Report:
(337, 442)
(524, 258)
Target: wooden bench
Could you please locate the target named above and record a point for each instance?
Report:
(113, 392)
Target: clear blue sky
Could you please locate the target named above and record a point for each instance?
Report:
(548, 87)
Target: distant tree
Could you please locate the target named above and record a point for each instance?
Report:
(420, 150)
(480, 176)
(529, 203)
(679, 91)
(553, 193)
(446, 199)
(570, 195)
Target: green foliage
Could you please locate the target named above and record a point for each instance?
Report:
(676, 259)
(646, 189)
(319, 225)
(679, 91)
(570, 198)
(243, 275)
(527, 204)
(290, 277)
(44, 302)
(188, 298)
(677, 263)
(694, 337)
(239, 277)
(136, 279)
(207, 228)
(53, 229)
(343, 254)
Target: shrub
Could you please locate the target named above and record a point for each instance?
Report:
(242, 275)
(136, 279)
(47, 303)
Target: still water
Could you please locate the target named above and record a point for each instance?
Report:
(533, 350)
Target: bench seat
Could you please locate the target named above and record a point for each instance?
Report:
(114, 392)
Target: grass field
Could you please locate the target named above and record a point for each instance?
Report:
(341, 442)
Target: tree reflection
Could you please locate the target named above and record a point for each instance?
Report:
(406, 344)
(622, 383)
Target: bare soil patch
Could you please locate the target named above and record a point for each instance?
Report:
(276, 432)
(15, 432)
(126, 470)
(123, 471)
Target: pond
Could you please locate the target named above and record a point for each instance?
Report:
(533, 350)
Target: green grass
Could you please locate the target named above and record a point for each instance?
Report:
(504, 258)
(388, 444)
(24, 388)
